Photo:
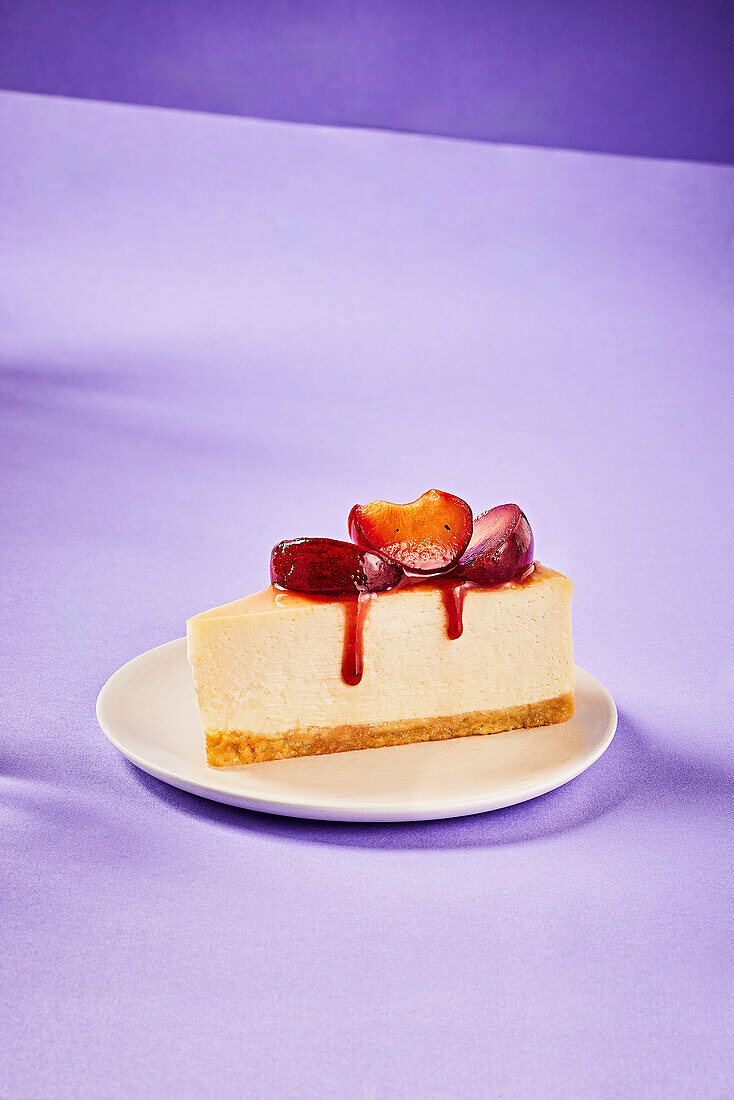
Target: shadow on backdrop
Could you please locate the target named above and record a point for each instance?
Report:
(642, 77)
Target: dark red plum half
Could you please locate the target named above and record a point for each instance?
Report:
(328, 567)
(501, 547)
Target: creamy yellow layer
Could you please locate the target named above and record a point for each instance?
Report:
(271, 662)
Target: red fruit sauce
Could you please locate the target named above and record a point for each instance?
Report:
(453, 600)
(500, 553)
(355, 614)
(356, 610)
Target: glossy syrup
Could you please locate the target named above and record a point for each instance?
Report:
(355, 614)
(356, 610)
(453, 601)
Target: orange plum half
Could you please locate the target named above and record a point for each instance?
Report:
(427, 536)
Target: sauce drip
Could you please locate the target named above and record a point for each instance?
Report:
(453, 600)
(355, 614)
(356, 609)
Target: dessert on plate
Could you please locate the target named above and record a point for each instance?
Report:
(428, 624)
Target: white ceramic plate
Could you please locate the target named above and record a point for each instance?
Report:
(148, 711)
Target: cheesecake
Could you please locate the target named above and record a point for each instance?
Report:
(368, 644)
(268, 669)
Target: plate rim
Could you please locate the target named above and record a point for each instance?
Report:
(339, 809)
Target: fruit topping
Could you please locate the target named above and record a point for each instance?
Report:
(427, 536)
(327, 567)
(501, 547)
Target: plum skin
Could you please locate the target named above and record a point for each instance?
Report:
(329, 567)
(501, 548)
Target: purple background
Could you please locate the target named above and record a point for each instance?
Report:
(218, 333)
(652, 77)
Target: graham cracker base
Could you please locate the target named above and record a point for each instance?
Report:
(228, 748)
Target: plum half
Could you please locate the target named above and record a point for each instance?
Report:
(328, 567)
(501, 547)
(427, 536)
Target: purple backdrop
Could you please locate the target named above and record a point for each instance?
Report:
(219, 333)
(652, 77)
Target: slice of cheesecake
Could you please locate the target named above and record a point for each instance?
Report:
(271, 671)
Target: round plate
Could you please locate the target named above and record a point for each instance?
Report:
(148, 711)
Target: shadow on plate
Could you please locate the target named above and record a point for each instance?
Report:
(633, 767)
